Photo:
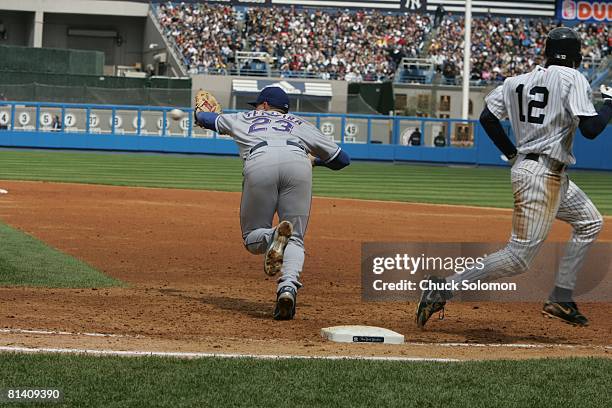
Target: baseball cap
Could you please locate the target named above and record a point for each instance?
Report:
(275, 97)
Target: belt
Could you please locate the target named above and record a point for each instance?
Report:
(552, 164)
(264, 143)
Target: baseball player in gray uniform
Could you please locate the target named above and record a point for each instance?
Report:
(545, 107)
(279, 150)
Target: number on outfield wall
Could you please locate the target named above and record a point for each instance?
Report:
(94, 120)
(135, 122)
(46, 119)
(4, 118)
(24, 118)
(69, 120)
(184, 124)
(351, 129)
(160, 123)
(118, 121)
(327, 128)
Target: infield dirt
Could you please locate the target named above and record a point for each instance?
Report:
(193, 286)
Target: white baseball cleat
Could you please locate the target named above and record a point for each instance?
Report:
(273, 259)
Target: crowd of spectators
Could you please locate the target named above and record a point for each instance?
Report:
(352, 46)
(359, 45)
(503, 47)
(207, 35)
(356, 46)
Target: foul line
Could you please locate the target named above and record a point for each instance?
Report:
(416, 344)
(62, 333)
(423, 344)
(194, 355)
(515, 345)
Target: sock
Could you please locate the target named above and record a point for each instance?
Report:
(561, 295)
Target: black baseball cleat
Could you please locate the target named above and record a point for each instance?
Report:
(273, 259)
(285, 303)
(432, 301)
(567, 312)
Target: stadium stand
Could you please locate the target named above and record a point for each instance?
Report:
(503, 47)
(338, 44)
(359, 45)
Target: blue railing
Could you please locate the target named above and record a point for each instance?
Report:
(46, 118)
(365, 137)
(10, 120)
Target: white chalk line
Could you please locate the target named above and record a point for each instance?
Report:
(423, 344)
(63, 333)
(193, 355)
(515, 345)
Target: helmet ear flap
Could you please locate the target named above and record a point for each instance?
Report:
(578, 60)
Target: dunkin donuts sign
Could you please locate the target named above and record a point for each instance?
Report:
(585, 10)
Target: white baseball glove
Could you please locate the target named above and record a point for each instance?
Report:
(606, 92)
(511, 160)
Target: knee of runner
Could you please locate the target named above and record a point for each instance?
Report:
(599, 222)
(590, 229)
(596, 225)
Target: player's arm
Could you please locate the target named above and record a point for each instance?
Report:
(207, 120)
(495, 109)
(497, 134)
(338, 161)
(324, 152)
(592, 126)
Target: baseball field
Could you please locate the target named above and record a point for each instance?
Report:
(138, 260)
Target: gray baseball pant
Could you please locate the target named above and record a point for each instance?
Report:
(277, 179)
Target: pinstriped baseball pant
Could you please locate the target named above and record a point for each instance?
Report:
(540, 196)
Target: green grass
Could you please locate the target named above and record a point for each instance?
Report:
(163, 382)
(374, 181)
(26, 261)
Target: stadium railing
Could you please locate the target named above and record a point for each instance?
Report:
(140, 120)
(149, 128)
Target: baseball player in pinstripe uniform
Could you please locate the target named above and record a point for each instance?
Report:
(544, 107)
(279, 150)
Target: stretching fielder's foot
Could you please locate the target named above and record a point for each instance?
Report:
(273, 259)
(285, 303)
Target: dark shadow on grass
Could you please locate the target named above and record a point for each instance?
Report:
(256, 309)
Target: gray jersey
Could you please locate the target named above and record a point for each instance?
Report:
(544, 108)
(252, 127)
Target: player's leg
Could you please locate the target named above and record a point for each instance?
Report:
(294, 199)
(579, 211)
(537, 195)
(258, 204)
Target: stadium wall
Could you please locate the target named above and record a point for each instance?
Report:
(137, 128)
(589, 154)
(221, 87)
(440, 101)
(125, 49)
(19, 27)
(413, 100)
